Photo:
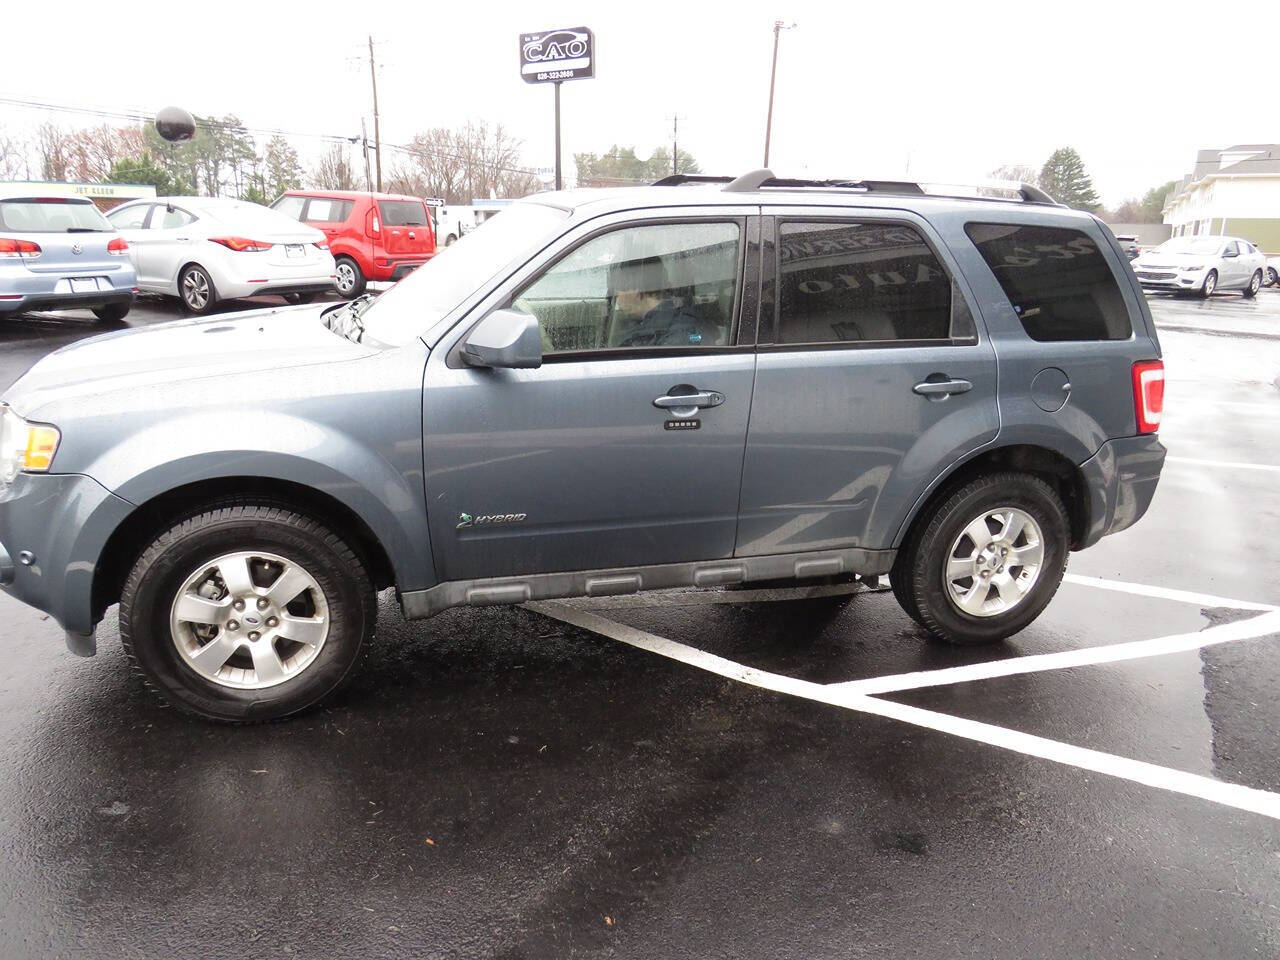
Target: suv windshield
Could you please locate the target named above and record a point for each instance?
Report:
(51, 215)
(421, 299)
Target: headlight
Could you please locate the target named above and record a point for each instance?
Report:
(25, 446)
(1198, 266)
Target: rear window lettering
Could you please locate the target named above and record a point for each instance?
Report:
(881, 282)
(1057, 280)
(403, 213)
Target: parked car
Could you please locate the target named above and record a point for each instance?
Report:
(206, 249)
(373, 236)
(611, 391)
(60, 253)
(1203, 265)
(1273, 271)
(453, 221)
(1129, 244)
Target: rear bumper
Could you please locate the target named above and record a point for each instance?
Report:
(66, 301)
(394, 268)
(1121, 479)
(280, 289)
(63, 522)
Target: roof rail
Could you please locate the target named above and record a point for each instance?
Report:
(680, 179)
(764, 179)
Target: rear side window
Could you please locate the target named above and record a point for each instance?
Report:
(51, 216)
(130, 218)
(842, 282)
(403, 213)
(324, 210)
(1060, 285)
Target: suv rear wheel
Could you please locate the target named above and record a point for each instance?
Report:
(246, 613)
(983, 563)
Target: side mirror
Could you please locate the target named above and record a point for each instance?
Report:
(505, 338)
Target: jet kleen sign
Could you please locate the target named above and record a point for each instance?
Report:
(556, 55)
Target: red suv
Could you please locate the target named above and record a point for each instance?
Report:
(372, 236)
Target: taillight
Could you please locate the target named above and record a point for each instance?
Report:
(1148, 394)
(241, 245)
(321, 244)
(19, 248)
(118, 247)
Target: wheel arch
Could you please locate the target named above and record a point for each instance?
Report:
(1049, 465)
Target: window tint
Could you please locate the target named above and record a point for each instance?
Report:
(130, 218)
(54, 215)
(290, 206)
(666, 285)
(1057, 280)
(322, 210)
(403, 213)
(170, 219)
(842, 282)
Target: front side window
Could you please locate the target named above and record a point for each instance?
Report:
(1057, 280)
(663, 285)
(840, 282)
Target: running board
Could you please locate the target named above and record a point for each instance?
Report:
(419, 604)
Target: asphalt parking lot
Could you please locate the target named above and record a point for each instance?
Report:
(739, 774)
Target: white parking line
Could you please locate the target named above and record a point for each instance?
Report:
(1167, 593)
(1137, 771)
(1228, 464)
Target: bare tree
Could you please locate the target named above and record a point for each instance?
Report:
(15, 163)
(51, 151)
(93, 151)
(333, 172)
(1017, 172)
(460, 165)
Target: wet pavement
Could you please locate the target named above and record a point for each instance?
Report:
(498, 783)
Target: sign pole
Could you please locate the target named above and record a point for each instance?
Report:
(558, 180)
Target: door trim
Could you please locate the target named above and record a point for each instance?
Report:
(614, 581)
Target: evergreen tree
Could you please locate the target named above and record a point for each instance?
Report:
(1063, 177)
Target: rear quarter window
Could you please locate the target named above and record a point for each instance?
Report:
(1059, 283)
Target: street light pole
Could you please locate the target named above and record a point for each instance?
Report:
(778, 27)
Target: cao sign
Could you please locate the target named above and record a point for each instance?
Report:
(556, 55)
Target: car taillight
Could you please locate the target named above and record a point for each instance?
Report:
(321, 244)
(242, 245)
(19, 248)
(1148, 394)
(118, 247)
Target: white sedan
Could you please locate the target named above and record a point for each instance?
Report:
(1202, 265)
(206, 249)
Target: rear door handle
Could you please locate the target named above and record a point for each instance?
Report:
(707, 398)
(941, 388)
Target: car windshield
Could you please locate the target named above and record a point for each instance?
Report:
(421, 299)
(248, 216)
(1201, 246)
(51, 215)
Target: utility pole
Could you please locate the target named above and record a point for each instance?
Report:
(364, 138)
(778, 27)
(675, 144)
(377, 133)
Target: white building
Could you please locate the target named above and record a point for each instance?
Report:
(1233, 192)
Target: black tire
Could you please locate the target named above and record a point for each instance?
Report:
(1273, 278)
(351, 288)
(1207, 287)
(192, 279)
(112, 312)
(450, 240)
(163, 568)
(300, 297)
(1255, 284)
(918, 579)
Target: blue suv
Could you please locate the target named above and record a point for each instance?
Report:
(705, 382)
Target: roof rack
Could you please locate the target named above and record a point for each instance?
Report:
(764, 179)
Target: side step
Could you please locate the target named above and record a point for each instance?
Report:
(418, 604)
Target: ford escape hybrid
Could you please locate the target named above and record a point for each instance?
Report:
(703, 382)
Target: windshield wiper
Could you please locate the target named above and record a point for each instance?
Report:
(345, 321)
(85, 230)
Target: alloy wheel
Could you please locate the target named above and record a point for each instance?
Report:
(346, 278)
(195, 289)
(249, 620)
(994, 562)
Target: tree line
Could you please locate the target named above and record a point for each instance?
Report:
(1064, 178)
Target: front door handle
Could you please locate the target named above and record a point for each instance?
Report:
(941, 388)
(706, 398)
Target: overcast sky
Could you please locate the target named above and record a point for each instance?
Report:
(942, 91)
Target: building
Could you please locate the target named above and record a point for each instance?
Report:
(1233, 192)
(105, 195)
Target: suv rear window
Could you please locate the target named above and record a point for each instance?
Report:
(1057, 280)
(403, 213)
(51, 216)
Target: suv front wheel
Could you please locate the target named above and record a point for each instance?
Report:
(246, 612)
(983, 563)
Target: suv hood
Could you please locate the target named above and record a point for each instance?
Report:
(224, 345)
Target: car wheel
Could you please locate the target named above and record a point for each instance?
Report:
(112, 312)
(350, 282)
(1273, 278)
(1255, 284)
(983, 563)
(196, 289)
(448, 241)
(1210, 284)
(247, 612)
(299, 297)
